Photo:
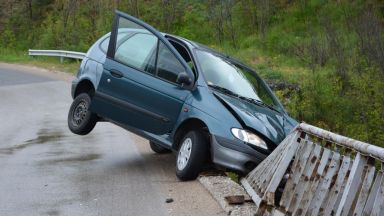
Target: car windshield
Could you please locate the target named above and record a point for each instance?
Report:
(225, 74)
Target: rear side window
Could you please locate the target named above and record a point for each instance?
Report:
(104, 44)
(168, 66)
(137, 51)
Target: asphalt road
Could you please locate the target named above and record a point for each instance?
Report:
(47, 170)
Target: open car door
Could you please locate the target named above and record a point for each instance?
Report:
(138, 87)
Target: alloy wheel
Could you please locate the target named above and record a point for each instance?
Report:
(184, 154)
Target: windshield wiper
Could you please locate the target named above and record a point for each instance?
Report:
(251, 100)
(259, 102)
(223, 90)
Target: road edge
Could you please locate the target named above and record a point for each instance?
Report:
(222, 186)
(50, 73)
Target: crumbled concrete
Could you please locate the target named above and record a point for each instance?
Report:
(222, 186)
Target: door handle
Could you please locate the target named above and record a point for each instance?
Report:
(116, 73)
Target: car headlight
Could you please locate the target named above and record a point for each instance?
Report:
(249, 137)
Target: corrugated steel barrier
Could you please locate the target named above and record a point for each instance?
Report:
(316, 172)
(59, 53)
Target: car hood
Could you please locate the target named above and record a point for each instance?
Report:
(269, 123)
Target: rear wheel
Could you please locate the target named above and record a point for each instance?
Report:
(80, 120)
(158, 149)
(192, 155)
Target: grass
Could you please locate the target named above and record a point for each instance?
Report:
(233, 176)
(274, 67)
(51, 63)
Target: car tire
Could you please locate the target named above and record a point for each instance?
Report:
(158, 149)
(192, 155)
(80, 120)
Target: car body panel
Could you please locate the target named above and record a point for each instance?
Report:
(96, 52)
(143, 94)
(208, 108)
(265, 121)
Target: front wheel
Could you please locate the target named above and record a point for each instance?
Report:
(192, 155)
(81, 121)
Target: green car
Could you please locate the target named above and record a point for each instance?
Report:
(181, 96)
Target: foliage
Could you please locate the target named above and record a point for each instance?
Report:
(333, 50)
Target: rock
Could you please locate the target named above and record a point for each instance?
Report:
(169, 200)
(235, 199)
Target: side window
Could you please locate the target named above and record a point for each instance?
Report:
(138, 48)
(185, 54)
(168, 66)
(104, 44)
(136, 51)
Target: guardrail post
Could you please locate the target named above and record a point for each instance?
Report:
(61, 59)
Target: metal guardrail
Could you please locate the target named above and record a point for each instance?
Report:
(316, 172)
(59, 53)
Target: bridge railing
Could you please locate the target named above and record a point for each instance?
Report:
(316, 172)
(59, 53)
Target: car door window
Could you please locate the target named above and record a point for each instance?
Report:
(138, 48)
(168, 66)
(136, 51)
(185, 54)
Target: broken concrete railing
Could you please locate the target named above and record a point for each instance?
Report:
(316, 172)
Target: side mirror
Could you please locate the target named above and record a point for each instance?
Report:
(184, 79)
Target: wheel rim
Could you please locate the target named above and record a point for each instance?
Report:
(184, 154)
(80, 112)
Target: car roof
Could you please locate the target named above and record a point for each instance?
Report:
(192, 44)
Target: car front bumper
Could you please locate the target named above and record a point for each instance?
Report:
(234, 156)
